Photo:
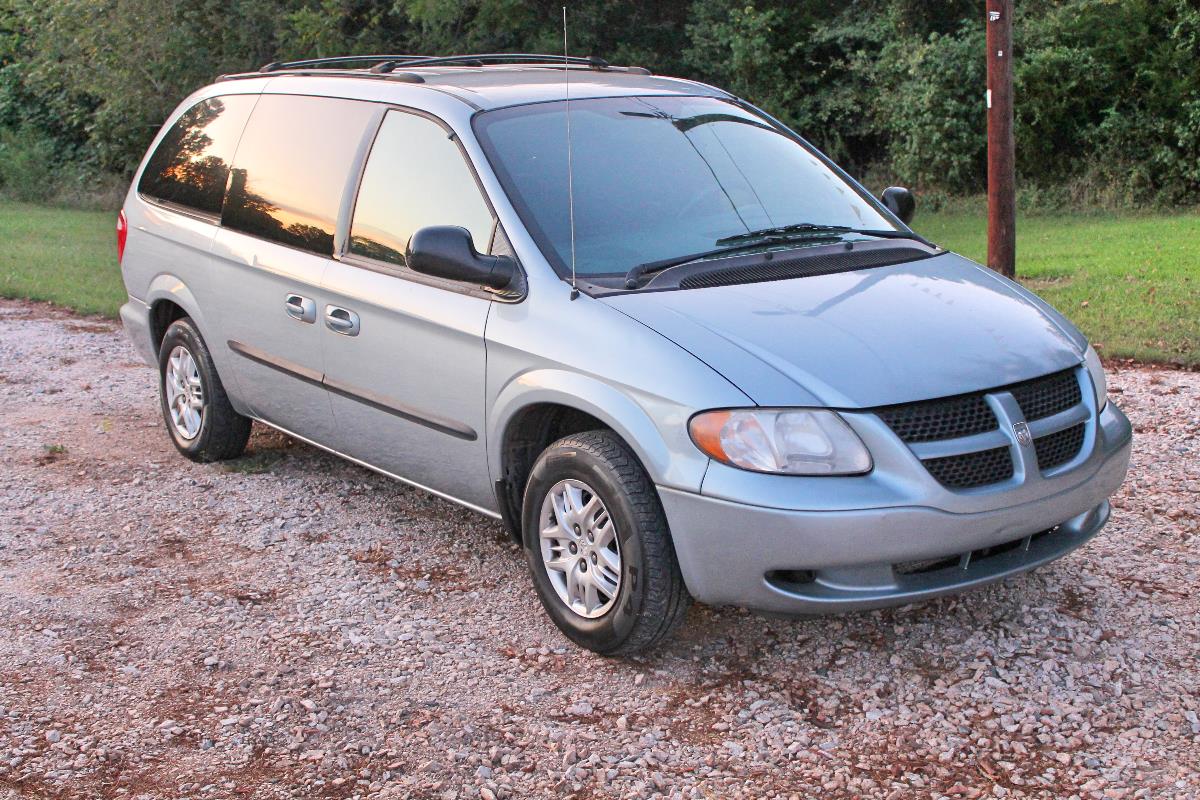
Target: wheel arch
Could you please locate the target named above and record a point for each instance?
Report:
(168, 299)
(541, 407)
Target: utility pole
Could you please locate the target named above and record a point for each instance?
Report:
(1001, 177)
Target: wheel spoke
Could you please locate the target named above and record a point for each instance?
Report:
(591, 597)
(574, 500)
(605, 582)
(604, 533)
(610, 559)
(562, 564)
(573, 585)
(562, 512)
(588, 512)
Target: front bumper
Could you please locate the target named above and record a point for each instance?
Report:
(827, 558)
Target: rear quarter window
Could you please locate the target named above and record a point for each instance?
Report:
(292, 167)
(190, 166)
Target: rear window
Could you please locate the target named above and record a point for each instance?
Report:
(191, 164)
(292, 167)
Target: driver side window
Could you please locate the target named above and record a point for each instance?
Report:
(415, 177)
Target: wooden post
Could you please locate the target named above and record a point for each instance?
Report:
(1001, 178)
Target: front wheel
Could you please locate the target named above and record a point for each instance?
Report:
(598, 546)
(200, 419)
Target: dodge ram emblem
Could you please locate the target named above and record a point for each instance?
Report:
(1024, 437)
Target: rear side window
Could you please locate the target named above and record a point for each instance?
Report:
(291, 169)
(415, 176)
(191, 163)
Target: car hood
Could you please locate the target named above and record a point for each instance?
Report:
(930, 328)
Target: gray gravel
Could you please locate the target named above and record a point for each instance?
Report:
(292, 625)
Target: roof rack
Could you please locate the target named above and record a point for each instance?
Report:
(332, 61)
(386, 64)
(479, 59)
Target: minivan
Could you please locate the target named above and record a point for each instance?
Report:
(677, 351)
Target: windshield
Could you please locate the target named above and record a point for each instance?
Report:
(658, 177)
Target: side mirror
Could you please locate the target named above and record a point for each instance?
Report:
(446, 251)
(900, 201)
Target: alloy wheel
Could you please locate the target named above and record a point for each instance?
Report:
(580, 549)
(185, 393)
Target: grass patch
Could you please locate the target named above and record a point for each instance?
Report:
(1131, 283)
(64, 256)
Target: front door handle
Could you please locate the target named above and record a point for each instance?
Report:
(341, 320)
(301, 308)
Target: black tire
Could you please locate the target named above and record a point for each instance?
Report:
(651, 600)
(223, 432)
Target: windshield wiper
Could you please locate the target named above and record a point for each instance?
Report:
(809, 227)
(729, 244)
(758, 238)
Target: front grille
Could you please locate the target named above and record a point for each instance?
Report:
(1055, 449)
(805, 266)
(969, 470)
(940, 419)
(1044, 397)
(949, 418)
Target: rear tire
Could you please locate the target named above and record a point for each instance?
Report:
(612, 617)
(200, 419)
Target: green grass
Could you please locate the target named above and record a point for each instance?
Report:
(64, 256)
(1132, 283)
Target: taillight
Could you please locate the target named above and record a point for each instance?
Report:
(122, 232)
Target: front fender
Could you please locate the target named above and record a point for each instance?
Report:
(664, 449)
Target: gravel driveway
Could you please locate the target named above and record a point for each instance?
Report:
(291, 625)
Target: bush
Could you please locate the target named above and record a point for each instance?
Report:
(28, 166)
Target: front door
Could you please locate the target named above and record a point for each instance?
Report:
(404, 353)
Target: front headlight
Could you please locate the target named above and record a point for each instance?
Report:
(784, 441)
(1099, 382)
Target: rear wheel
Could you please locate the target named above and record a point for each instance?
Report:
(200, 419)
(598, 546)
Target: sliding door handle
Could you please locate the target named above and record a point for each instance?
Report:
(341, 320)
(301, 308)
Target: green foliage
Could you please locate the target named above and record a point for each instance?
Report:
(27, 162)
(1108, 91)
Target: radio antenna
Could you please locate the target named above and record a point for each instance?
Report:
(570, 160)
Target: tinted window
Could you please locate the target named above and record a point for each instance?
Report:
(291, 169)
(658, 177)
(191, 164)
(416, 176)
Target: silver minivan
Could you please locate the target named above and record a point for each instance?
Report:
(676, 350)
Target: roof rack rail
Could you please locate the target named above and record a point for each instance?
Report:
(479, 59)
(275, 66)
(385, 64)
